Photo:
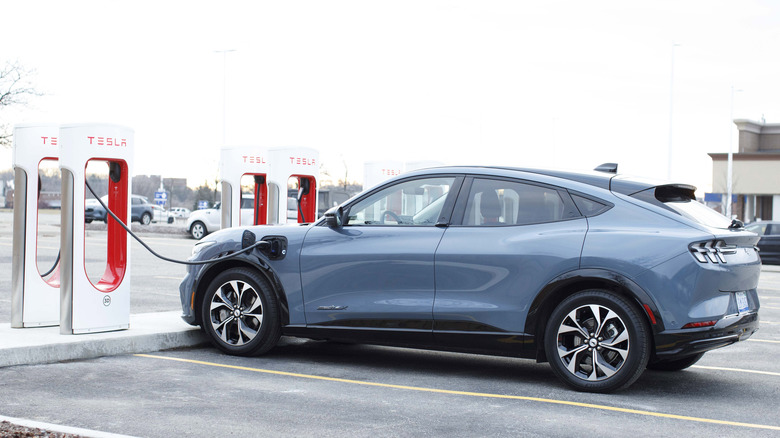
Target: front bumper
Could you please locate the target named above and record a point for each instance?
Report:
(670, 344)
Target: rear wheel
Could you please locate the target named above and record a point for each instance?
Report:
(146, 219)
(239, 313)
(674, 365)
(597, 341)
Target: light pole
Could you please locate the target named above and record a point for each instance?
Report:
(224, 88)
(730, 165)
(671, 115)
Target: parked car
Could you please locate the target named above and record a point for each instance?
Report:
(769, 245)
(161, 215)
(93, 211)
(180, 212)
(140, 209)
(208, 220)
(600, 274)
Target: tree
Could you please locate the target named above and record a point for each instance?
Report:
(15, 89)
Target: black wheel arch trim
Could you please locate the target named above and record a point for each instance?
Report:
(253, 261)
(581, 279)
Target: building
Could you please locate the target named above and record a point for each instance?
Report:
(755, 171)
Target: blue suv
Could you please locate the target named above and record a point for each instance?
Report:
(599, 274)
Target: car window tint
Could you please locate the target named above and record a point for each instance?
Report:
(500, 202)
(416, 202)
(136, 201)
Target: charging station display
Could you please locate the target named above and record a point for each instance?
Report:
(34, 297)
(87, 306)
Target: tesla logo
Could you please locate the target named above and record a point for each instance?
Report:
(253, 159)
(302, 161)
(108, 141)
(106, 300)
(391, 172)
(52, 140)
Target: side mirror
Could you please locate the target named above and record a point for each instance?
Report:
(333, 217)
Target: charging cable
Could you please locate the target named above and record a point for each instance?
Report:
(183, 262)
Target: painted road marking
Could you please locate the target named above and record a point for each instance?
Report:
(470, 394)
(768, 373)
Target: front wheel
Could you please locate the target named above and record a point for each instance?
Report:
(597, 341)
(239, 313)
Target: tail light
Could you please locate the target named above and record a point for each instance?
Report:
(712, 251)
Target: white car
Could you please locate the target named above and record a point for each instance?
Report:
(203, 222)
(160, 214)
(180, 212)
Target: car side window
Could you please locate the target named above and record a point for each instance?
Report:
(136, 201)
(501, 202)
(416, 202)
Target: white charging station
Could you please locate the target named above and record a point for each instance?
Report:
(85, 306)
(375, 172)
(235, 163)
(271, 170)
(302, 164)
(34, 300)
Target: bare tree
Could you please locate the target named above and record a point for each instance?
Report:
(15, 89)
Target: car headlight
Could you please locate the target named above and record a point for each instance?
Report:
(200, 246)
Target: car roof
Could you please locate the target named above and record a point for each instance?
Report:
(625, 184)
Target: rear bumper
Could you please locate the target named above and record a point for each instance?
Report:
(679, 343)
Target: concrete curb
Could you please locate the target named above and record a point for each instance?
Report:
(61, 429)
(148, 332)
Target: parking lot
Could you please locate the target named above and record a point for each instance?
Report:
(329, 389)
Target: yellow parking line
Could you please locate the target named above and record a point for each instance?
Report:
(470, 394)
(764, 340)
(768, 373)
(769, 322)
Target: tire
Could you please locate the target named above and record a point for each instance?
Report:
(89, 221)
(674, 365)
(198, 230)
(240, 313)
(146, 219)
(619, 344)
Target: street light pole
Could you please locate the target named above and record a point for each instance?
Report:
(224, 88)
(671, 115)
(730, 165)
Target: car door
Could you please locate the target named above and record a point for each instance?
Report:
(513, 238)
(377, 270)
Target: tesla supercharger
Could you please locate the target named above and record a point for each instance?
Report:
(375, 172)
(234, 164)
(303, 165)
(34, 299)
(85, 306)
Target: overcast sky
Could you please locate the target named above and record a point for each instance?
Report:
(567, 84)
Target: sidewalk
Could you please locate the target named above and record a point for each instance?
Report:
(148, 332)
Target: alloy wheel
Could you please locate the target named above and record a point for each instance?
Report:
(236, 313)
